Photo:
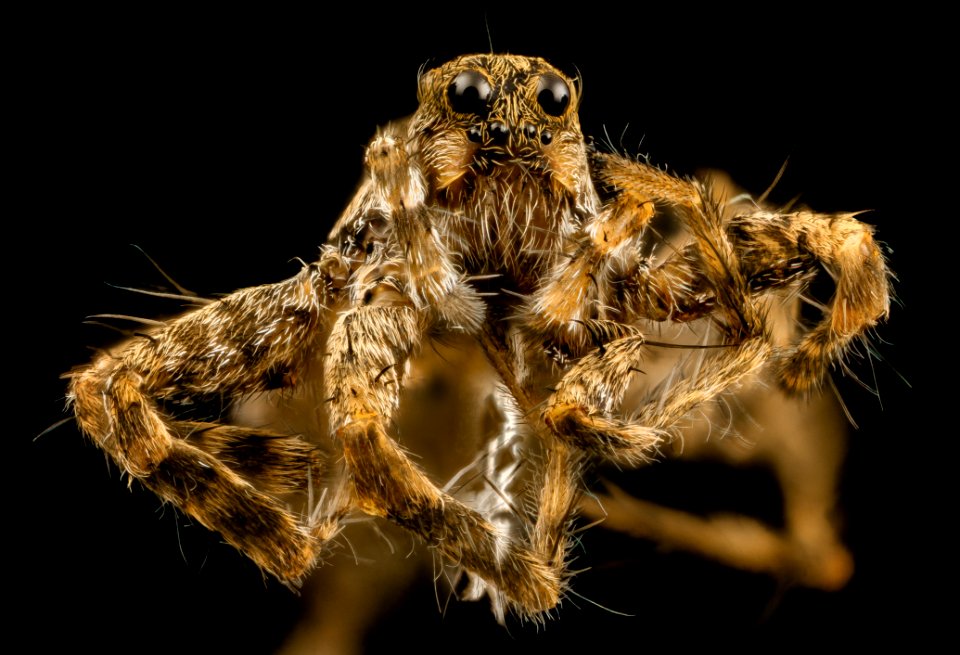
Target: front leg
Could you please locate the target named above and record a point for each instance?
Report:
(223, 476)
(368, 350)
(405, 283)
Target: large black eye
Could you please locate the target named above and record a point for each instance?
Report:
(469, 93)
(553, 94)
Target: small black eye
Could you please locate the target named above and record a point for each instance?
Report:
(553, 94)
(469, 93)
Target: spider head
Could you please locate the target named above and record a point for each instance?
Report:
(495, 114)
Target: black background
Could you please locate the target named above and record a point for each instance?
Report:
(226, 145)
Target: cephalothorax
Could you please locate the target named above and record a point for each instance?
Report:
(487, 214)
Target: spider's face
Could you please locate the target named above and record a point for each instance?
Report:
(493, 114)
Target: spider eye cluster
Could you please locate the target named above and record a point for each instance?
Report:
(470, 92)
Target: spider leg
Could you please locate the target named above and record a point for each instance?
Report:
(558, 479)
(775, 246)
(572, 291)
(406, 286)
(580, 411)
(697, 278)
(802, 441)
(705, 278)
(368, 349)
(572, 306)
(222, 476)
(774, 249)
(723, 270)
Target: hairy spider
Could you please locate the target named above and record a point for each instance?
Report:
(485, 214)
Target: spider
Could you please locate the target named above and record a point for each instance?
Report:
(485, 216)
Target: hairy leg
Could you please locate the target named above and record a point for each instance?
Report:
(773, 246)
(773, 249)
(406, 284)
(253, 340)
(571, 308)
(368, 349)
(558, 483)
(581, 409)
